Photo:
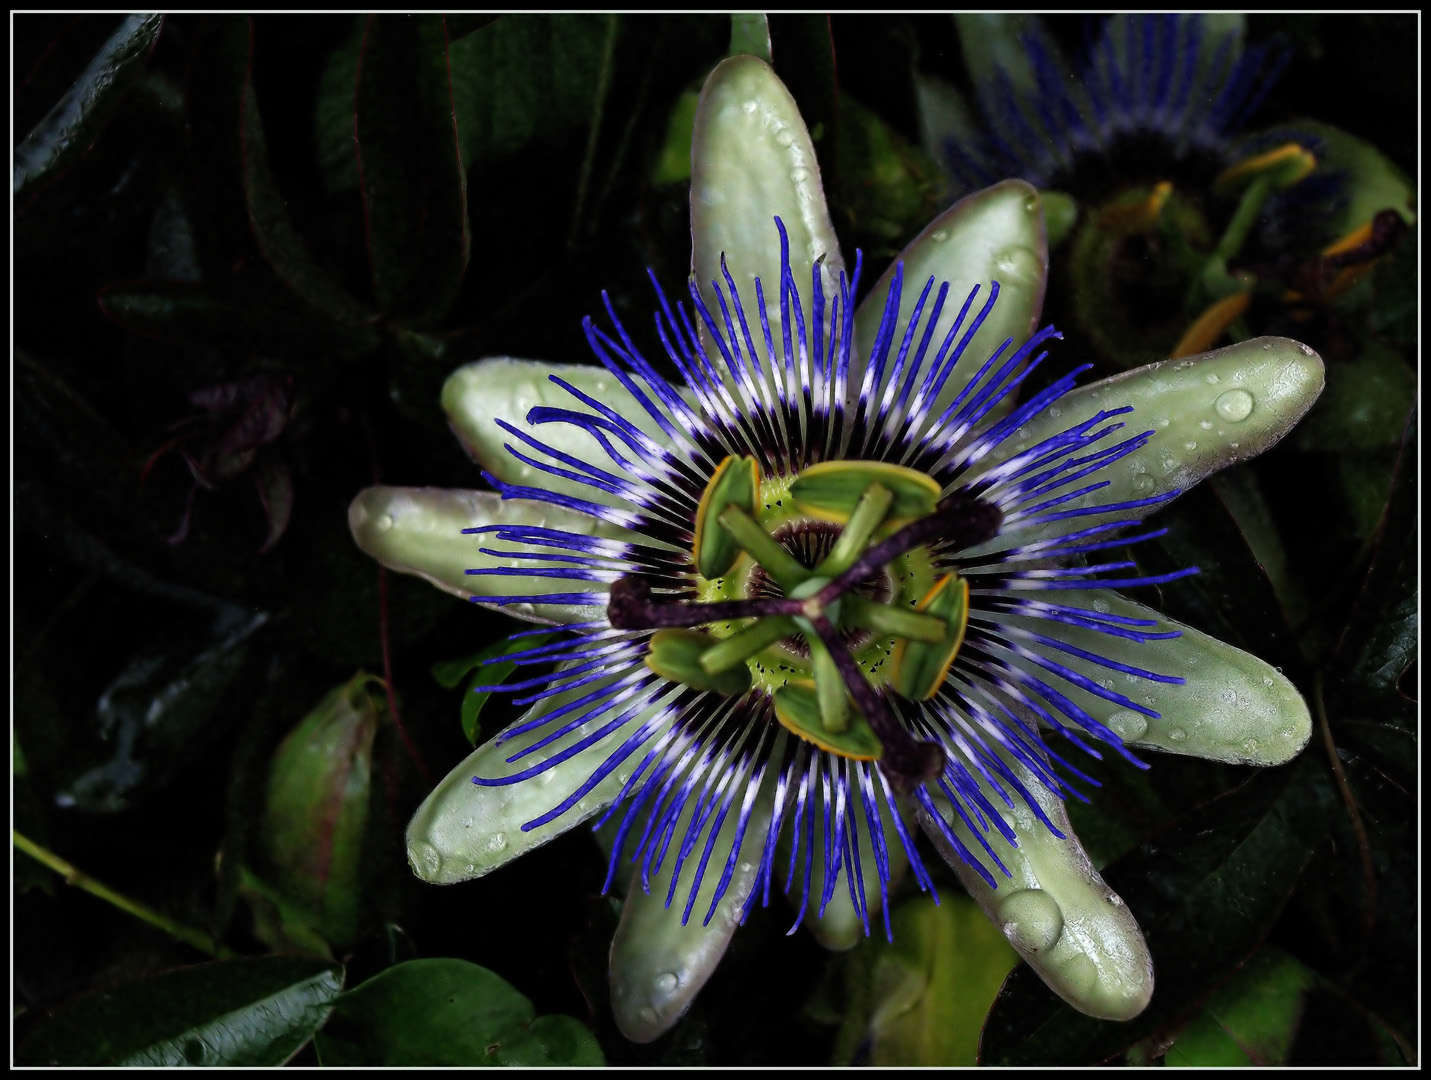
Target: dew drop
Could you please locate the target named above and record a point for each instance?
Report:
(1170, 464)
(939, 235)
(467, 823)
(1206, 425)
(1230, 697)
(1128, 725)
(1143, 484)
(385, 522)
(1250, 745)
(751, 106)
(1114, 899)
(1018, 265)
(667, 981)
(1102, 606)
(497, 842)
(1191, 444)
(1055, 413)
(799, 176)
(1212, 379)
(647, 1014)
(1234, 406)
(783, 137)
(1266, 681)
(1178, 734)
(1031, 920)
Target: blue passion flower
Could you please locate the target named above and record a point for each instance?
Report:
(834, 584)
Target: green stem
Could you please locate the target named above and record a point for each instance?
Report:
(1250, 205)
(187, 934)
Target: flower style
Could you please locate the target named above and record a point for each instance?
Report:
(836, 584)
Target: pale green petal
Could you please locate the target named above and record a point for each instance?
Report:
(992, 235)
(464, 830)
(1233, 707)
(479, 394)
(1058, 914)
(992, 43)
(751, 161)
(419, 531)
(1206, 412)
(657, 964)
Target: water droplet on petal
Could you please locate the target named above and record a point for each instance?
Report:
(385, 522)
(647, 1014)
(1234, 406)
(1178, 734)
(1128, 725)
(1206, 425)
(1212, 379)
(497, 842)
(1018, 265)
(1191, 444)
(1143, 484)
(1266, 680)
(1250, 745)
(1030, 919)
(939, 235)
(1102, 606)
(667, 981)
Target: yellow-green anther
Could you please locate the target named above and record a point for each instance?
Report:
(760, 546)
(831, 490)
(742, 646)
(890, 619)
(869, 512)
(676, 655)
(735, 483)
(920, 667)
(798, 709)
(830, 690)
(1284, 166)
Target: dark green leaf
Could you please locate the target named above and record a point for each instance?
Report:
(74, 122)
(1381, 641)
(273, 228)
(337, 157)
(1205, 893)
(492, 670)
(1251, 1020)
(164, 704)
(750, 33)
(414, 187)
(525, 78)
(249, 313)
(247, 1012)
(448, 1012)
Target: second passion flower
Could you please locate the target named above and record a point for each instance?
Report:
(835, 585)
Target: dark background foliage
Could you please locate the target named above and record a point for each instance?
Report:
(227, 323)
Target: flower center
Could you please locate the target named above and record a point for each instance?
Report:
(819, 590)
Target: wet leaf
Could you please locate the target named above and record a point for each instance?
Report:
(316, 812)
(246, 1012)
(448, 1012)
(162, 706)
(414, 186)
(75, 121)
(1205, 892)
(1249, 1021)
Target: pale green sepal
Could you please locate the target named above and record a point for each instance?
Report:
(751, 161)
(479, 394)
(992, 235)
(1058, 914)
(1233, 707)
(1206, 412)
(464, 830)
(419, 531)
(1372, 181)
(659, 965)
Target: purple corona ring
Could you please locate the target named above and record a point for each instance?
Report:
(828, 572)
